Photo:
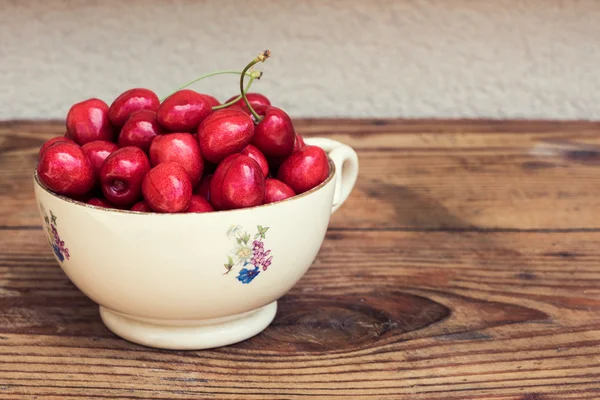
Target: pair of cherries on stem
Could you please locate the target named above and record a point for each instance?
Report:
(239, 180)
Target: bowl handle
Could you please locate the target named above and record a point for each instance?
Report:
(346, 164)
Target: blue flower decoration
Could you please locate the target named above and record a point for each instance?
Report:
(58, 252)
(247, 275)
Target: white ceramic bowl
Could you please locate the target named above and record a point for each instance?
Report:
(187, 281)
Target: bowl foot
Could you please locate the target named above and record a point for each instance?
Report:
(189, 335)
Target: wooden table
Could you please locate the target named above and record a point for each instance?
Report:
(465, 265)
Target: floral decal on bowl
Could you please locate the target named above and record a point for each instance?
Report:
(249, 256)
(58, 246)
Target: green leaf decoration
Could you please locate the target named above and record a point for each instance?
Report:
(239, 240)
(256, 236)
(230, 260)
(246, 238)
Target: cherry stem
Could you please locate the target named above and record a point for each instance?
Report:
(260, 58)
(252, 78)
(251, 74)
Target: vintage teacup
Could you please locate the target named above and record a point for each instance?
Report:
(194, 281)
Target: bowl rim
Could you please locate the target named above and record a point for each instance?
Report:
(66, 199)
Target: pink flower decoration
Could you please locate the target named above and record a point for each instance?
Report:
(267, 263)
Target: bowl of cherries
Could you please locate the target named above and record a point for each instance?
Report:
(185, 219)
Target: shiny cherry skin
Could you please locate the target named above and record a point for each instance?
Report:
(50, 142)
(121, 175)
(140, 129)
(275, 162)
(224, 132)
(65, 169)
(255, 100)
(304, 169)
(257, 156)
(88, 121)
(131, 101)
(274, 135)
(275, 190)
(167, 188)
(183, 111)
(212, 100)
(199, 204)
(238, 182)
(299, 142)
(181, 148)
(97, 151)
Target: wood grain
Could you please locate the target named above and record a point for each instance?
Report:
(464, 266)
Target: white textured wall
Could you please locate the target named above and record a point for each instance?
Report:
(357, 58)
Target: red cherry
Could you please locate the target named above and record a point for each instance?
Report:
(224, 132)
(257, 156)
(304, 169)
(50, 142)
(95, 201)
(183, 111)
(238, 182)
(275, 190)
(130, 101)
(299, 142)
(97, 151)
(88, 121)
(65, 169)
(212, 101)
(199, 204)
(181, 148)
(141, 206)
(140, 129)
(203, 189)
(274, 135)
(122, 173)
(167, 188)
(255, 100)
(275, 162)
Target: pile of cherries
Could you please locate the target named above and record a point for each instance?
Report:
(188, 153)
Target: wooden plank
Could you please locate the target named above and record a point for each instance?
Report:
(415, 175)
(380, 314)
(464, 266)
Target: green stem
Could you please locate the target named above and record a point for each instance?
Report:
(260, 58)
(250, 74)
(237, 98)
